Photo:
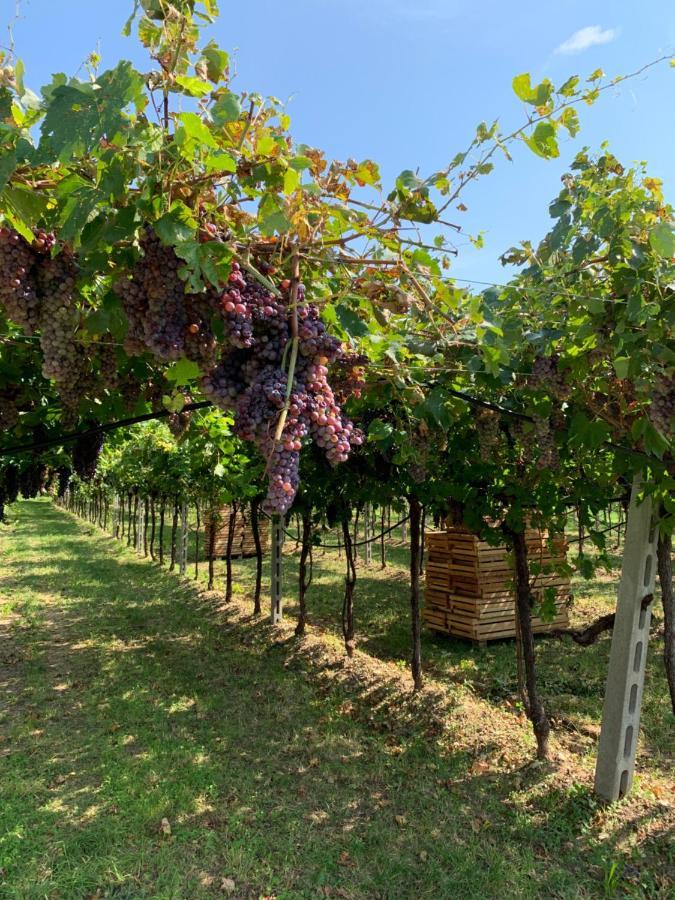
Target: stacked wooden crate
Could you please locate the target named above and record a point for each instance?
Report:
(243, 543)
(469, 584)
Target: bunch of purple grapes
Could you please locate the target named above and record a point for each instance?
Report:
(545, 443)
(546, 375)
(38, 292)
(236, 310)
(167, 320)
(200, 342)
(153, 299)
(11, 479)
(18, 291)
(86, 451)
(62, 359)
(489, 433)
(108, 364)
(179, 422)
(64, 474)
(252, 381)
(9, 411)
(31, 479)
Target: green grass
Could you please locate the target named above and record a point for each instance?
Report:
(128, 698)
(572, 677)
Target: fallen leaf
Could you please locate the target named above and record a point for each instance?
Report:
(227, 885)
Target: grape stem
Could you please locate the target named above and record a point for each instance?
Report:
(294, 288)
(260, 277)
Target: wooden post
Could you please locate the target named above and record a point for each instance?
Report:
(115, 516)
(139, 527)
(182, 553)
(626, 672)
(277, 568)
(368, 547)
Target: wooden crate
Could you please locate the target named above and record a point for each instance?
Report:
(242, 544)
(469, 584)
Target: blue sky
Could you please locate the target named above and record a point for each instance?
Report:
(405, 83)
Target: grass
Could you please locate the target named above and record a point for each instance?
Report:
(130, 698)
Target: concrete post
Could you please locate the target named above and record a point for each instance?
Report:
(626, 672)
(277, 568)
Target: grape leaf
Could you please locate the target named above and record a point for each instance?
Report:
(80, 114)
(662, 240)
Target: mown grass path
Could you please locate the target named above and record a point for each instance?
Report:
(126, 700)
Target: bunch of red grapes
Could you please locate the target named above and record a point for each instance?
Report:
(38, 293)
(250, 377)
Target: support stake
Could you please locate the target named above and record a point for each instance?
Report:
(626, 672)
(115, 516)
(277, 568)
(183, 549)
(139, 529)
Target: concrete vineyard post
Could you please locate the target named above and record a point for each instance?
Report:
(626, 672)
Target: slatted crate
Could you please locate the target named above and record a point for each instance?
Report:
(243, 544)
(469, 584)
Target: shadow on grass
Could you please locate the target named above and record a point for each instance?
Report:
(127, 700)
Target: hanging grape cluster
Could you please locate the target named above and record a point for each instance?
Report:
(250, 376)
(11, 483)
(63, 359)
(86, 451)
(31, 479)
(38, 293)
(489, 433)
(546, 375)
(18, 291)
(64, 475)
(9, 411)
(545, 443)
(179, 422)
(153, 298)
(662, 407)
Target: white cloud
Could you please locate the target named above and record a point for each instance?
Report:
(591, 36)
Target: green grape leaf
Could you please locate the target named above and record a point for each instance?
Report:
(543, 141)
(7, 166)
(621, 366)
(80, 114)
(176, 226)
(217, 61)
(182, 372)
(227, 108)
(662, 240)
(193, 87)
